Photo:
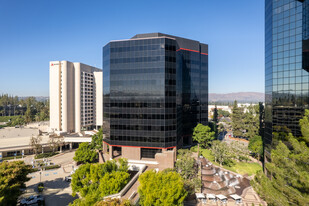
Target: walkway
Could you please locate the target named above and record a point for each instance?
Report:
(251, 197)
(57, 192)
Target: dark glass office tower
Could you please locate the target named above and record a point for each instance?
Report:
(286, 67)
(155, 90)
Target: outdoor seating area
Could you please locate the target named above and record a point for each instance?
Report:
(221, 198)
(237, 198)
(218, 181)
(212, 199)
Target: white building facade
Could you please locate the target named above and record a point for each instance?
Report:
(76, 97)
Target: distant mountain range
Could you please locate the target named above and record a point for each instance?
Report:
(38, 98)
(243, 97)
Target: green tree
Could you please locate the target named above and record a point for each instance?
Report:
(288, 170)
(94, 181)
(35, 110)
(203, 135)
(123, 164)
(262, 118)
(304, 124)
(238, 151)
(223, 113)
(280, 133)
(35, 143)
(97, 141)
(113, 202)
(13, 176)
(289, 183)
(256, 146)
(215, 120)
(252, 121)
(220, 151)
(28, 115)
(237, 120)
(185, 164)
(162, 188)
(187, 167)
(221, 128)
(113, 182)
(17, 121)
(55, 142)
(85, 153)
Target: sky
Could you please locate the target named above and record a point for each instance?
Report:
(34, 32)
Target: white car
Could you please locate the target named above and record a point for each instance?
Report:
(33, 199)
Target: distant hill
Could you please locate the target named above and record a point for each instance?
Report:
(243, 97)
(38, 98)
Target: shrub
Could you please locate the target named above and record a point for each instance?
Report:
(11, 157)
(40, 187)
(45, 155)
(52, 167)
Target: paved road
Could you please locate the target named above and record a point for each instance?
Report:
(63, 159)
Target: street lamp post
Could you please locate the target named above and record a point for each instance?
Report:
(40, 174)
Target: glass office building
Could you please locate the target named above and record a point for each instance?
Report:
(155, 90)
(286, 67)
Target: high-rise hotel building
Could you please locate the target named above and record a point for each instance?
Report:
(76, 97)
(286, 67)
(155, 89)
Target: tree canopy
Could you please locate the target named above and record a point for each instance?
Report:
(220, 151)
(256, 146)
(221, 128)
(35, 143)
(304, 124)
(203, 135)
(162, 188)
(246, 120)
(252, 121)
(187, 167)
(215, 120)
(85, 153)
(225, 153)
(185, 164)
(13, 176)
(94, 181)
(97, 141)
(223, 113)
(238, 120)
(27, 110)
(288, 170)
(113, 202)
(289, 184)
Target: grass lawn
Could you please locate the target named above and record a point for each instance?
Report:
(245, 168)
(7, 118)
(239, 167)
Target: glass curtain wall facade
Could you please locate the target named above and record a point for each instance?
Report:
(286, 68)
(152, 90)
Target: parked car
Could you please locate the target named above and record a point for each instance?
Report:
(33, 199)
(68, 178)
